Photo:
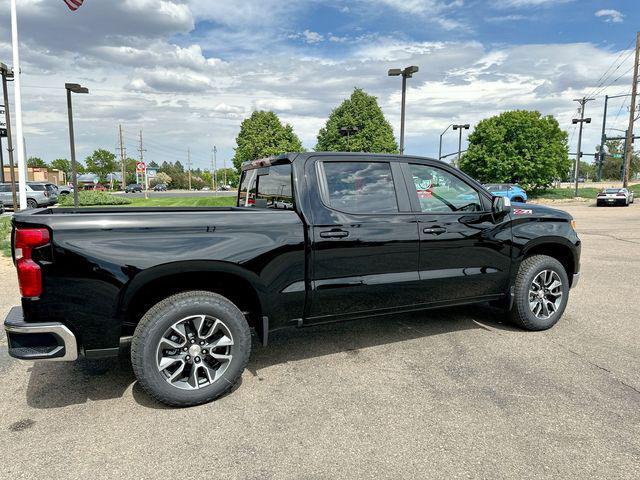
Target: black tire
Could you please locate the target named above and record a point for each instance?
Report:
(31, 203)
(521, 314)
(154, 324)
(518, 200)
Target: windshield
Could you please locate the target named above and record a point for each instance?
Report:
(612, 190)
(267, 187)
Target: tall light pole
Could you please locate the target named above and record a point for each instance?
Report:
(75, 88)
(460, 128)
(214, 177)
(582, 101)
(407, 72)
(440, 145)
(6, 74)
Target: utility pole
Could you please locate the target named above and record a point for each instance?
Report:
(146, 181)
(189, 166)
(123, 160)
(603, 140)
(632, 116)
(582, 101)
(214, 167)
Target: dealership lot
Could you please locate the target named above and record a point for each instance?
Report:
(442, 394)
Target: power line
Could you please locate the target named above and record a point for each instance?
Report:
(602, 78)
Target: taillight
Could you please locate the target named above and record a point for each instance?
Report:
(619, 194)
(29, 272)
(602, 194)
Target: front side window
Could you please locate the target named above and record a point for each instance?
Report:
(267, 187)
(442, 192)
(360, 187)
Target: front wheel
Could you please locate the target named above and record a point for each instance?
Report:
(190, 348)
(540, 294)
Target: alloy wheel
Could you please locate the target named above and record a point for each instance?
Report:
(194, 352)
(545, 294)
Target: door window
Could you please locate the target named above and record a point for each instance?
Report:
(442, 192)
(360, 187)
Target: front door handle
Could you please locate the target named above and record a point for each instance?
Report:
(334, 234)
(434, 230)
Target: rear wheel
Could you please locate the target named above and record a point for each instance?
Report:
(540, 294)
(190, 348)
(31, 203)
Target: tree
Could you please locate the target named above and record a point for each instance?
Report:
(161, 177)
(263, 135)
(517, 146)
(63, 165)
(360, 111)
(102, 162)
(612, 166)
(36, 162)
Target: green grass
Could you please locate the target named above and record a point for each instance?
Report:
(559, 193)
(5, 236)
(183, 202)
(568, 193)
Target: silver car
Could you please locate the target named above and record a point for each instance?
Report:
(615, 196)
(39, 194)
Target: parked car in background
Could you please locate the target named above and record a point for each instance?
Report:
(65, 190)
(133, 188)
(39, 194)
(96, 187)
(160, 187)
(513, 192)
(615, 196)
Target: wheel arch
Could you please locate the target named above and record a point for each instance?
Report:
(558, 248)
(240, 286)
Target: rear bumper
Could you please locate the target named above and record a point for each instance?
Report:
(39, 341)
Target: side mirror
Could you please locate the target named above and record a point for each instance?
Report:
(500, 206)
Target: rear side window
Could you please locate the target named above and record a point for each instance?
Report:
(268, 187)
(442, 192)
(38, 188)
(360, 187)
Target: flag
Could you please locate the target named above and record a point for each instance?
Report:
(73, 4)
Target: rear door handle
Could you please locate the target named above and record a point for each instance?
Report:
(334, 234)
(434, 230)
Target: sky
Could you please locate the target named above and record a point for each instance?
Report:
(187, 72)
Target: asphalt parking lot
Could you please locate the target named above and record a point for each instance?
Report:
(453, 393)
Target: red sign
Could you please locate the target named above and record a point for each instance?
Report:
(140, 167)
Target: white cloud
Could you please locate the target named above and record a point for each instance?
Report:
(610, 15)
(312, 37)
(527, 3)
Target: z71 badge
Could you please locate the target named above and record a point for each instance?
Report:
(522, 211)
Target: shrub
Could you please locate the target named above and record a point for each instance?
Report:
(93, 198)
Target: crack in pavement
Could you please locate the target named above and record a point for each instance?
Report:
(636, 242)
(589, 362)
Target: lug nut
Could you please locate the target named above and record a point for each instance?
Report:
(204, 352)
(197, 359)
(188, 357)
(184, 349)
(193, 341)
(202, 342)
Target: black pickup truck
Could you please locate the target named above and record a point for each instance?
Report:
(315, 237)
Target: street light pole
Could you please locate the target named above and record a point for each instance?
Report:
(460, 128)
(347, 132)
(406, 73)
(75, 88)
(440, 145)
(214, 177)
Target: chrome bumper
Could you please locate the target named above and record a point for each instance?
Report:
(39, 341)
